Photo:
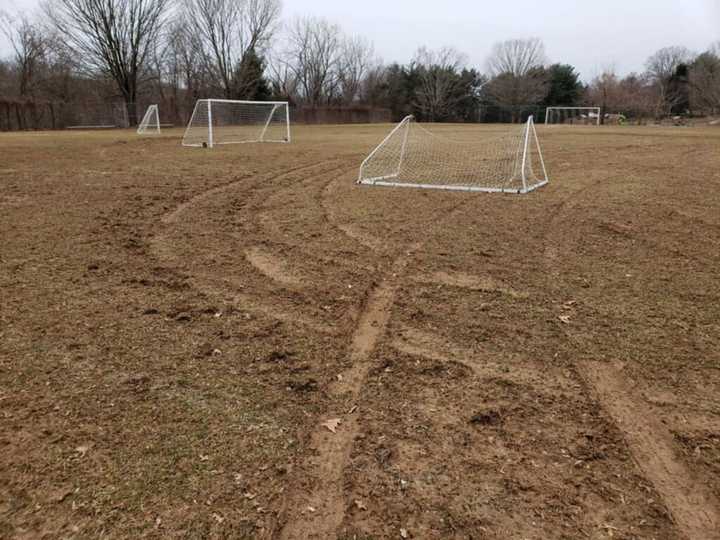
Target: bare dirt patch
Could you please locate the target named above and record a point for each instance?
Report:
(180, 329)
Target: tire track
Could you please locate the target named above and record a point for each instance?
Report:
(318, 511)
(370, 242)
(367, 241)
(425, 345)
(694, 509)
(172, 216)
(226, 288)
(273, 267)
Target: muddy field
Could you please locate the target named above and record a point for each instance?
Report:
(242, 343)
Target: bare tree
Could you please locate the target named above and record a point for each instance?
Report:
(519, 77)
(313, 55)
(517, 57)
(704, 81)
(604, 90)
(662, 68)
(179, 77)
(227, 30)
(357, 57)
(283, 80)
(112, 37)
(439, 81)
(30, 48)
(374, 84)
(633, 96)
(185, 58)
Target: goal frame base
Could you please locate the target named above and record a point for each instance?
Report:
(383, 182)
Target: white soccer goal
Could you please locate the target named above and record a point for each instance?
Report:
(412, 156)
(98, 115)
(150, 124)
(224, 121)
(583, 116)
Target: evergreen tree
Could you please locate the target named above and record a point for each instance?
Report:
(679, 89)
(566, 90)
(250, 78)
(467, 108)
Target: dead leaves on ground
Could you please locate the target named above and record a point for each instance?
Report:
(332, 424)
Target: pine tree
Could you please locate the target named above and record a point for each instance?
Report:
(566, 90)
(250, 78)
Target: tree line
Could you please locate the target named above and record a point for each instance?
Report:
(178, 51)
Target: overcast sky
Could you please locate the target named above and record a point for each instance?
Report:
(588, 35)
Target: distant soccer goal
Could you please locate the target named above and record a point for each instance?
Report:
(224, 121)
(412, 156)
(98, 115)
(581, 116)
(150, 124)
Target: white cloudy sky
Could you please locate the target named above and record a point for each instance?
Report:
(589, 35)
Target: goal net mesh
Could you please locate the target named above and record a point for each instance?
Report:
(150, 124)
(413, 156)
(216, 122)
(98, 115)
(582, 116)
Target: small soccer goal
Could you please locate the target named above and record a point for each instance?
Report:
(412, 156)
(579, 116)
(150, 124)
(224, 121)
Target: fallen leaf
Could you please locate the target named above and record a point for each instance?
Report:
(564, 319)
(218, 518)
(403, 533)
(311, 509)
(332, 424)
(204, 458)
(250, 496)
(82, 450)
(353, 409)
(360, 505)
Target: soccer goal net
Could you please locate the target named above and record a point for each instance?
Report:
(223, 121)
(150, 124)
(412, 156)
(98, 115)
(583, 116)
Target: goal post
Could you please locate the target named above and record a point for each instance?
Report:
(413, 156)
(227, 121)
(588, 116)
(150, 124)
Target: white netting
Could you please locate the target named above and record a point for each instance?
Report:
(216, 121)
(412, 156)
(150, 124)
(99, 115)
(582, 116)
